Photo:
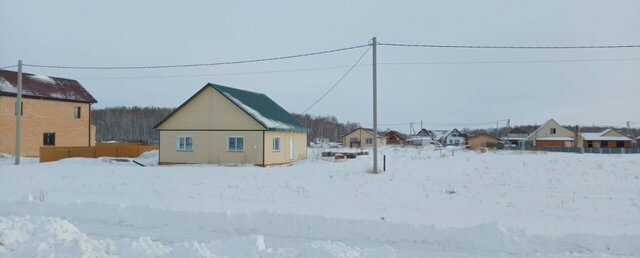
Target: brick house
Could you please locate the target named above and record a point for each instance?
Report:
(55, 112)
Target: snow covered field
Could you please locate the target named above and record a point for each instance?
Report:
(450, 203)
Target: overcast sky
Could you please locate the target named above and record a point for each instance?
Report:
(457, 86)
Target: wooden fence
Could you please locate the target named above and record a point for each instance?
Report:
(117, 150)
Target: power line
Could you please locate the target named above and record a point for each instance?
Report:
(10, 66)
(506, 47)
(218, 74)
(338, 82)
(517, 61)
(195, 65)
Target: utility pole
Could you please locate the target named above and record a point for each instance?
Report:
(497, 130)
(19, 114)
(375, 107)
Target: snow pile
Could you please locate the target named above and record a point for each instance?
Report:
(149, 158)
(52, 237)
(6, 159)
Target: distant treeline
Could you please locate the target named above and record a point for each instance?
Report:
(136, 124)
(128, 123)
(326, 127)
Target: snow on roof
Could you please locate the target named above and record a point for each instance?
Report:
(40, 86)
(5, 86)
(42, 78)
(269, 123)
(439, 134)
(601, 137)
(557, 138)
(262, 109)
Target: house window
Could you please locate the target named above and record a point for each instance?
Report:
(235, 144)
(353, 140)
(77, 112)
(619, 144)
(589, 144)
(552, 131)
(604, 144)
(276, 144)
(184, 143)
(369, 141)
(49, 139)
(457, 142)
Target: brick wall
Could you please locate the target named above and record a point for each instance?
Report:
(40, 116)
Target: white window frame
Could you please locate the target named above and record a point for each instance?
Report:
(368, 141)
(236, 149)
(274, 144)
(178, 148)
(552, 130)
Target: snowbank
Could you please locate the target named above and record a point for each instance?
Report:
(444, 202)
(52, 237)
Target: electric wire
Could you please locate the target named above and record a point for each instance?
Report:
(195, 65)
(506, 47)
(338, 82)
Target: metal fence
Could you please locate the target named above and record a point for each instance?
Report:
(634, 150)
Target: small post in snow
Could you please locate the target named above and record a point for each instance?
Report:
(384, 163)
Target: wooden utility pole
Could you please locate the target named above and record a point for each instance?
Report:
(375, 107)
(19, 114)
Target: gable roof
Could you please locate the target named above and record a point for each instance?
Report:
(532, 134)
(44, 87)
(424, 132)
(369, 130)
(601, 136)
(257, 105)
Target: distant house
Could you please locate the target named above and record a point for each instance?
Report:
(424, 132)
(609, 138)
(55, 112)
(516, 137)
(552, 134)
(395, 137)
(451, 137)
(362, 138)
(483, 141)
(223, 125)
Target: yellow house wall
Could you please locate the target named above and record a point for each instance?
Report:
(210, 147)
(210, 110)
(42, 116)
(560, 132)
(481, 141)
(283, 156)
(361, 135)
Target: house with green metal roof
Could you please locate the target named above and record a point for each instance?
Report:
(224, 125)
